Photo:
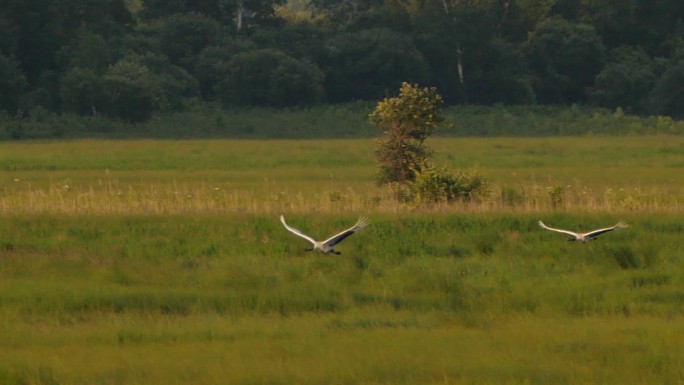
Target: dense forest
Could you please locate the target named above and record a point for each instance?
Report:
(129, 59)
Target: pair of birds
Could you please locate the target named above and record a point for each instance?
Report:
(327, 245)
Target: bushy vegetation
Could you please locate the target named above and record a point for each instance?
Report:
(406, 121)
(541, 121)
(349, 120)
(406, 164)
(434, 184)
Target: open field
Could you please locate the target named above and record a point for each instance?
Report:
(630, 174)
(163, 262)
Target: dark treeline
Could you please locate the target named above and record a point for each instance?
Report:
(129, 59)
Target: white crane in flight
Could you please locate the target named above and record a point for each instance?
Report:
(584, 237)
(327, 245)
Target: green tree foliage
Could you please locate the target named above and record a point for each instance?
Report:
(132, 91)
(667, 97)
(38, 34)
(12, 79)
(301, 40)
(647, 24)
(212, 64)
(565, 57)
(177, 85)
(366, 64)
(439, 41)
(615, 21)
(625, 81)
(470, 60)
(81, 91)
(154, 9)
(406, 121)
(295, 83)
(270, 78)
(497, 73)
(61, 54)
(520, 17)
(108, 18)
(12, 83)
(44, 26)
(8, 36)
(340, 12)
(659, 25)
(84, 89)
(85, 50)
(183, 36)
(240, 15)
(250, 15)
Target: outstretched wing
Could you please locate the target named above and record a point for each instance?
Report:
(296, 231)
(361, 223)
(543, 226)
(596, 233)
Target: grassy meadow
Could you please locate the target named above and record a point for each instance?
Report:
(163, 262)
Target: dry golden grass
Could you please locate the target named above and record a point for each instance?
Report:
(627, 174)
(171, 197)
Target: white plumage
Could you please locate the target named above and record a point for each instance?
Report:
(583, 237)
(326, 246)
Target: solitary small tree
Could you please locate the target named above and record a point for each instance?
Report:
(407, 120)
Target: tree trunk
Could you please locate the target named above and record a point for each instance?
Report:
(239, 14)
(458, 64)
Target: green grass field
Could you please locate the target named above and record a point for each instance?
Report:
(163, 262)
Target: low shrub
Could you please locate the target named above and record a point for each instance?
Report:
(433, 184)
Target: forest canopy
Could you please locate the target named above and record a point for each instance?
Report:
(130, 59)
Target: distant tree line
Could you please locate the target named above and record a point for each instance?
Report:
(129, 59)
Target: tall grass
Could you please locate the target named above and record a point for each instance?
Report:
(237, 265)
(631, 174)
(163, 262)
(424, 299)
